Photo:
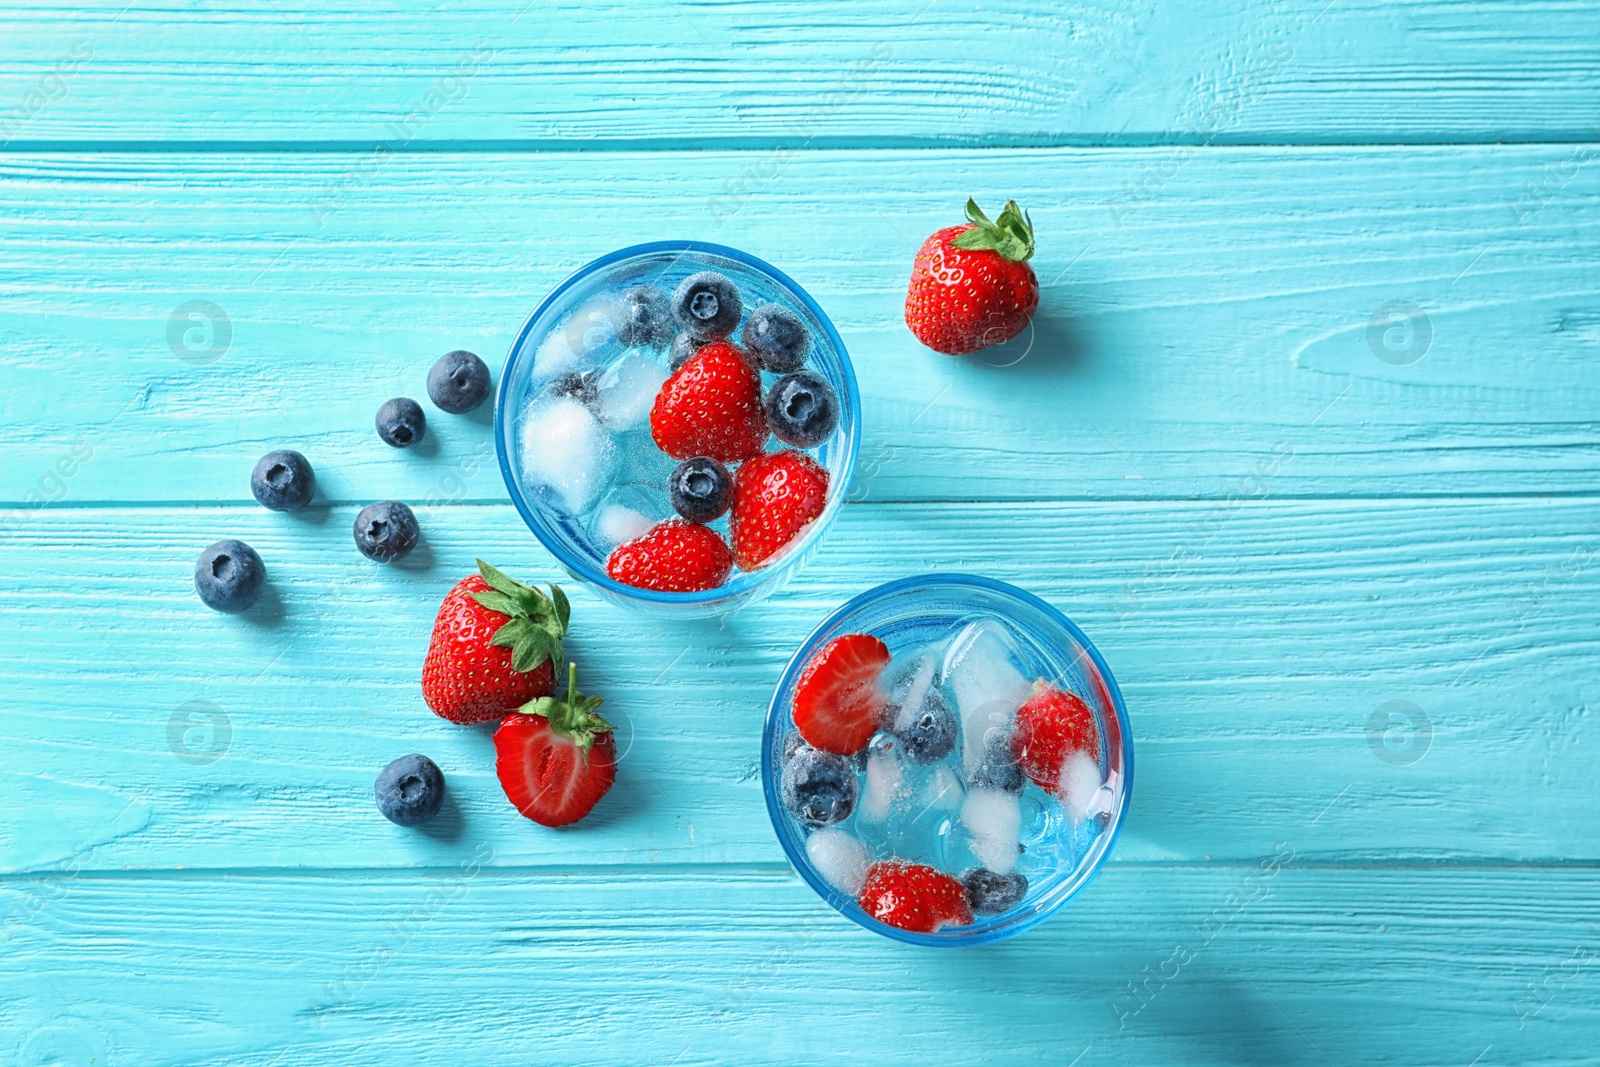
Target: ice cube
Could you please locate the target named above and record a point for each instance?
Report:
(617, 523)
(981, 669)
(942, 791)
(628, 389)
(886, 790)
(910, 689)
(839, 858)
(565, 448)
(627, 512)
(554, 355)
(993, 822)
(1079, 787)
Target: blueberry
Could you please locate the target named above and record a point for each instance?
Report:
(701, 489)
(776, 338)
(386, 531)
(229, 576)
(401, 422)
(581, 385)
(989, 893)
(818, 788)
(646, 317)
(802, 409)
(410, 790)
(792, 743)
(998, 769)
(283, 480)
(458, 383)
(684, 346)
(707, 304)
(929, 732)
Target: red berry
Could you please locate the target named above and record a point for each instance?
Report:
(556, 758)
(971, 286)
(775, 497)
(711, 406)
(495, 646)
(1050, 727)
(838, 704)
(914, 897)
(672, 557)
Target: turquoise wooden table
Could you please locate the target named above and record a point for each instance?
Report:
(1306, 438)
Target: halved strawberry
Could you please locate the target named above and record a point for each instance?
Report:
(838, 704)
(672, 557)
(556, 758)
(1051, 725)
(775, 497)
(914, 897)
(711, 406)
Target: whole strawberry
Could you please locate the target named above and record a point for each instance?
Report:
(1051, 725)
(496, 645)
(971, 286)
(775, 497)
(556, 758)
(672, 557)
(914, 897)
(711, 406)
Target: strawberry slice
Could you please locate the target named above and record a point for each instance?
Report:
(914, 897)
(838, 705)
(1050, 727)
(556, 758)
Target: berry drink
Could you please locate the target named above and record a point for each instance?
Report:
(678, 422)
(946, 760)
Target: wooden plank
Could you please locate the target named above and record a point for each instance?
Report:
(1261, 649)
(718, 73)
(1268, 963)
(1227, 322)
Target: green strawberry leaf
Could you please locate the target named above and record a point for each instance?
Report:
(534, 623)
(573, 714)
(563, 608)
(1011, 235)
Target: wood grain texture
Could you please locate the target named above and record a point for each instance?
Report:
(1217, 326)
(751, 72)
(1270, 964)
(1254, 644)
(1301, 530)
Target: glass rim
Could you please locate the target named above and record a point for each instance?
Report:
(533, 517)
(777, 716)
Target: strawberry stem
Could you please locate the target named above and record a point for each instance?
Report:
(1011, 235)
(572, 715)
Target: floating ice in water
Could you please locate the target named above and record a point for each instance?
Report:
(910, 689)
(554, 355)
(583, 338)
(993, 821)
(1079, 787)
(981, 669)
(627, 512)
(942, 792)
(628, 390)
(886, 789)
(565, 448)
(617, 523)
(839, 858)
